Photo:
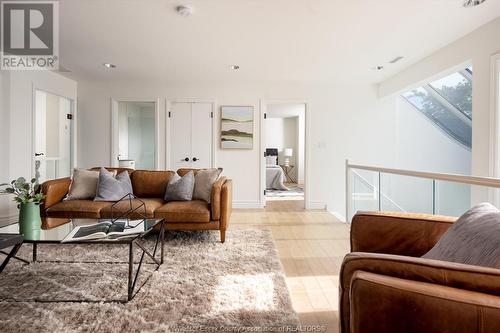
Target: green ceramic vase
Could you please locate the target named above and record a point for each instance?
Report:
(29, 220)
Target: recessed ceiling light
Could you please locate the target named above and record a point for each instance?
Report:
(184, 10)
(235, 67)
(108, 65)
(472, 3)
(378, 68)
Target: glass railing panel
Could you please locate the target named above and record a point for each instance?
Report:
(452, 199)
(364, 195)
(405, 193)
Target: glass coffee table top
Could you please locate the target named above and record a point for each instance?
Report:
(56, 229)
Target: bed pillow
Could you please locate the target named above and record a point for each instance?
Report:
(180, 188)
(473, 239)
(110, 188)
(203, 183)
(271, 160)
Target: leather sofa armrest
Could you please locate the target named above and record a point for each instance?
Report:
(382, 303)
(215, 198)
(465, 277)
(405, 234)
(54, 191)
(226, 205)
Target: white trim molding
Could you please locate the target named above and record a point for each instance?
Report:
(114, 127)
(307, 117)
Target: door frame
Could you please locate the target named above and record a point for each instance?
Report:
(494, 165)
(168, 123)
(262, 161)
(73, 129)
(114, 127)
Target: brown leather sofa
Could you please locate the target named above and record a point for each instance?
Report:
(386, 287)
(149, 186)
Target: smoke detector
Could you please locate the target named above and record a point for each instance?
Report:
(472, 3)
(184, 10)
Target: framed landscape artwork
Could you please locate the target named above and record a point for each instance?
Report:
(236, 127)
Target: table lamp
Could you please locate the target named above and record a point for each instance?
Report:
(288, 153)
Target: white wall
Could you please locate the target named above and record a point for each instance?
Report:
(476, 48)
(341, 123)
(19, 112)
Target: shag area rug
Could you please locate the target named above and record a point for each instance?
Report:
(202, 285)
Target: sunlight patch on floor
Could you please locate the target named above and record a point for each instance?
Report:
(244, 292)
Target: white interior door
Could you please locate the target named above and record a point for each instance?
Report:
(201, 135)
(180, 136)
(53, 135)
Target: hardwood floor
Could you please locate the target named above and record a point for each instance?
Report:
(311, 246)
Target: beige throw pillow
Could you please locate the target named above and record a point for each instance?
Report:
(83, 185)
(203, 182)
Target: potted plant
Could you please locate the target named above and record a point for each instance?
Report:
(28, 198)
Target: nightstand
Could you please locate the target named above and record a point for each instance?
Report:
(287, 169)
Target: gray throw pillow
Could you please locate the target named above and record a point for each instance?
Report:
(110, 188)
(203, 182)
(473, 239)
(180, 188)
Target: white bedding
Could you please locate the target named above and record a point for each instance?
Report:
(275, 177)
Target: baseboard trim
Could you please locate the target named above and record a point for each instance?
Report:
(338, 216)
(317, 205)
(247, 204)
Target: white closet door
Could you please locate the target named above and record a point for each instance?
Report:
(201, 137)
(180, 136)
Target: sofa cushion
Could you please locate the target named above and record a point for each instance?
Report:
(473, 239)
(83, 185)
(184, 211)
(203, 183)
(180, 188)
(110, 188)
(151, 205)
(77, 209)
(150, 184)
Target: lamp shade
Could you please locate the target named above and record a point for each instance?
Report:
(288, 152)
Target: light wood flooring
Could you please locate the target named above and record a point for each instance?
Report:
(311, 245)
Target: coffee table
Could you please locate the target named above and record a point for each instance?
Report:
(54, 230)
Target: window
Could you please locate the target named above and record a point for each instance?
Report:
(447, 102)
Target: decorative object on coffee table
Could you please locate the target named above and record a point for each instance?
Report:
(136, 211)
(28, 198)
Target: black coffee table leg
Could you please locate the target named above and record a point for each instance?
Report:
(12, 254)
(34, 251)
(130, 270)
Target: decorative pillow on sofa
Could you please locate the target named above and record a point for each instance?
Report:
(83, 184)
(203, 182)
(180, 188)
(110, 188)
(473, 239)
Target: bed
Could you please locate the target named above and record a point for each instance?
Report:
(275, 177)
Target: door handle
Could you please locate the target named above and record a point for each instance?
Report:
(195, 159)
(39, 154)
(186, 159)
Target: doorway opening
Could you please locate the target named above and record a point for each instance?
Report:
(134, 133)
(53, 136)
(284, 138)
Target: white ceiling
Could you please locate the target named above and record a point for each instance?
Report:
(272, 40)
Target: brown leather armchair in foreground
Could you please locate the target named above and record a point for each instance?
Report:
(386, 287)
